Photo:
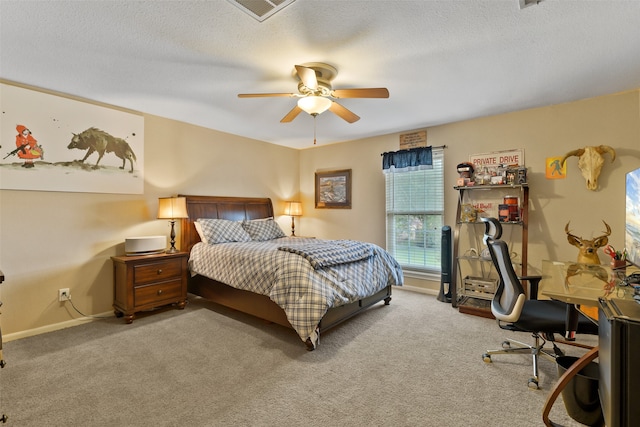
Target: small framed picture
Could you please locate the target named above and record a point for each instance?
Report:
(333, 189)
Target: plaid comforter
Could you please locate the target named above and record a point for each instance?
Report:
(289, 279)
(327, 253)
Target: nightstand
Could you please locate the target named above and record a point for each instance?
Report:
(148, 281)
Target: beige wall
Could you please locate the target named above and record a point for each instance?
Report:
(543, 132)
(53, 240)
(65, 240)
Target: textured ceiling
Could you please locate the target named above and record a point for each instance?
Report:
(442, 61)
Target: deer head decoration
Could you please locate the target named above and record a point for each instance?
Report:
(588, 248)
(590, 161)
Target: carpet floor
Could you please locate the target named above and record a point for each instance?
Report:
(416, 362)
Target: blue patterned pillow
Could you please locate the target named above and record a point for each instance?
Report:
(263, 229)
(214, 231)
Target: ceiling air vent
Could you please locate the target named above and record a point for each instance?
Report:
(527, 3)
(261, 9)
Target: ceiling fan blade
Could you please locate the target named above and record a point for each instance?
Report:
(307, 77)
(379, 92)
(264, 95)
(291, 114)
(343, 113)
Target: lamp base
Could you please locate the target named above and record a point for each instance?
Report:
(172, 249)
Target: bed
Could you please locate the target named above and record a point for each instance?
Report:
(261, 303)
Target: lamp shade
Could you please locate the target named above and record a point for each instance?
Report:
(314, 104)
(172, 208)
(293, 208)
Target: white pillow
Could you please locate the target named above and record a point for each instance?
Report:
(263, 229)
(214, 231)
(198, 227)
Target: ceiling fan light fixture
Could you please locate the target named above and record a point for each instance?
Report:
(314, 104)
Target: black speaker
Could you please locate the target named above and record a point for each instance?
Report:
(445, 265)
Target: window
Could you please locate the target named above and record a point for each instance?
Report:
(415, 215)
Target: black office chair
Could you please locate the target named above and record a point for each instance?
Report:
(514, 312)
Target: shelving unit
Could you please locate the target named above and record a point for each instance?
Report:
(474, 279)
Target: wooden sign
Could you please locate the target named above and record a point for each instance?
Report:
(413, 140)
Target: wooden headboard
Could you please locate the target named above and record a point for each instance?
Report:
(232, 208)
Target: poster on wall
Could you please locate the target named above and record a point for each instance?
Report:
(554, 169)
(494, 159)
(53, 143)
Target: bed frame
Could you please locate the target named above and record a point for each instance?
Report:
(247, 208)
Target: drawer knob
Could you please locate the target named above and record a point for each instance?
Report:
(159, 271)
(159, 291)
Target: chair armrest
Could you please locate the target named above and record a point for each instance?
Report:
(534, 282)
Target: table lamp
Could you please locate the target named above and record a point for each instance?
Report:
(294, 209)
(172, 208)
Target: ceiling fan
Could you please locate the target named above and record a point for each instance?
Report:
(315, 91)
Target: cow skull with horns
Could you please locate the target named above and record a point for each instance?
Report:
(590, 161)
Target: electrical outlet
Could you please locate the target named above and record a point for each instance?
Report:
(63, 294)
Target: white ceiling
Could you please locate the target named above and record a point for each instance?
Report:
(442, 61)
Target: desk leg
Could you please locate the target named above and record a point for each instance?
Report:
(563, 381)
(571, 323)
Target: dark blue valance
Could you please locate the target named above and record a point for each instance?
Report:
(414, 158)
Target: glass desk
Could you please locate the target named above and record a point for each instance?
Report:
(581, 285)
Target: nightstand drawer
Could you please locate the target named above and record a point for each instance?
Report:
(157, 271)
(157, 292)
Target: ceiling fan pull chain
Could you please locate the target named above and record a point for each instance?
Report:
(314, 128)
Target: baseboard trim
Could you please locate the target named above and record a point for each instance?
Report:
(51, 328)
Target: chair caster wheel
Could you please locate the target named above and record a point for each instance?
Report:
(506, 344)
(533, 384)
(486, 358)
